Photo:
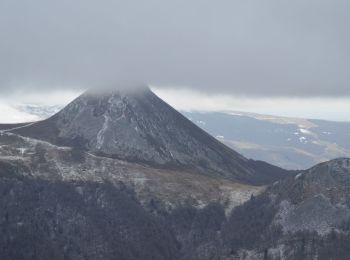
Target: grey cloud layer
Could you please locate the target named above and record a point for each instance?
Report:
(250, 47)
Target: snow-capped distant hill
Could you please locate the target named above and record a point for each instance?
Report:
(292, 143)
(19, 113)
(41, 111)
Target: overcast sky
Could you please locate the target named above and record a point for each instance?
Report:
(271, 49)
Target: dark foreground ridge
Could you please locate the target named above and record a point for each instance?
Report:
(302, 217)
(299, 218)
(137, 126)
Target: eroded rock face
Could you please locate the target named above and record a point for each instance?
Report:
(316, 200)
(135, 125)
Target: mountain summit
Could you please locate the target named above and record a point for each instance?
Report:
(133, 124)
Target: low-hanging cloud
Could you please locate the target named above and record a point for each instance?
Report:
(250, 47)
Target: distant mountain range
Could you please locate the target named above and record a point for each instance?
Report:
(41, 111)
(291, 143)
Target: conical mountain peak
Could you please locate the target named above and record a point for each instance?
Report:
(134, 124)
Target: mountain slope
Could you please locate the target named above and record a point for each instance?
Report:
(76, 220)
(304, 217)
(51, 195)
(137, 126)
(65, 203)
